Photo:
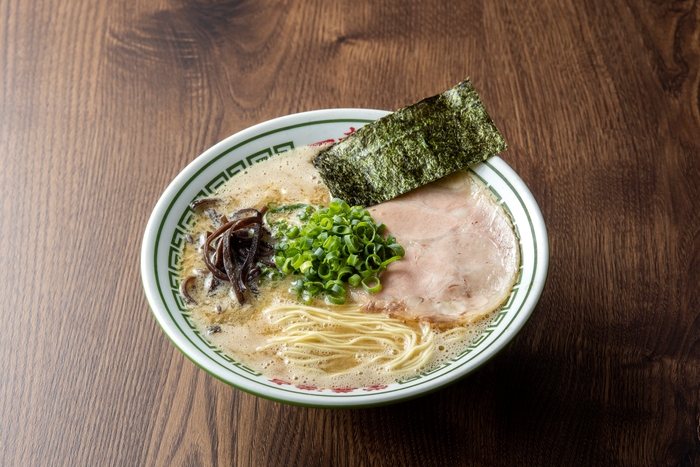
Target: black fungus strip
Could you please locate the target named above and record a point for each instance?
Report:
(254, 273)
(251, 212)
(265, 249)
(211, 283)
(231, 270)
(250, 258)
(204, 202)
(212, 266)
(235, 225)
(184, 292)
(218, 258)
(239, 245)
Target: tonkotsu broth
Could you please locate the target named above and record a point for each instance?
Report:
(244, 332)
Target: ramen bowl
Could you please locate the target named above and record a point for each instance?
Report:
(161, 261)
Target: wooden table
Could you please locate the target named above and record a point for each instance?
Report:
(103, 102)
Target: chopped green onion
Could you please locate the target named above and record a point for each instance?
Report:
(336, 245)
(352, 243)
(305, 266)
(354, 280)
(293, 232)
(344, 273)
(371, 284)
(336, 299)
(374, 262)
(324, 272)
(398, 249)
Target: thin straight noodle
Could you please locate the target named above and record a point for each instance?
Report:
(314, 336)
(454, 335)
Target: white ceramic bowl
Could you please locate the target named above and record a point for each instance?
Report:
(164, 237)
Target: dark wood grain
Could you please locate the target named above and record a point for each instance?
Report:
(103, 102)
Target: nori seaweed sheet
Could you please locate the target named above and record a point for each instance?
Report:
(410, 148)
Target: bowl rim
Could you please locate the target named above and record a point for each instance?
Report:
(199, 164)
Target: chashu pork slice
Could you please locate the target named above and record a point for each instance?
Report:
(462, 254)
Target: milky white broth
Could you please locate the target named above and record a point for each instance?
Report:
(241, 331)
